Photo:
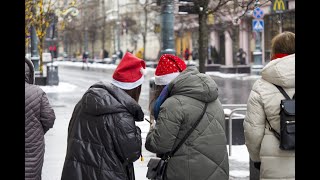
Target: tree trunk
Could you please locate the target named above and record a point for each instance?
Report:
(40, 49)
(144, 35)
(92, 55)
(203, 41)
(103, 35)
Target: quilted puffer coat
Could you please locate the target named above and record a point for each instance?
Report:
(103, 140)
(264, 103)
(39, 118)
(204, 154)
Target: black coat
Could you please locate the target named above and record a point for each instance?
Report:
(103, 140)
(39, 118)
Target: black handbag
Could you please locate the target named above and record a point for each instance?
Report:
(157, 166)
(287, 122)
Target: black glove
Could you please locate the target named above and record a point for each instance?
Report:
(257, 165)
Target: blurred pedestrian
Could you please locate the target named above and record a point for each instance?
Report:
(241, 56)
(120, 54)
(139, 54)
(39, 118)
(85, 57)
(103, 139)
(186, 54)
(181, 95)
(195, 55)
(105, 54)
(264, 104)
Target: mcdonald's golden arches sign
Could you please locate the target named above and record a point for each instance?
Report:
(278, 6)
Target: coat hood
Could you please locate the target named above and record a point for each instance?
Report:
(28, 71)
(194, 84)
(103, 98)
(280, 71)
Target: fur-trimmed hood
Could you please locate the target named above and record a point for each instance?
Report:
(28, 71)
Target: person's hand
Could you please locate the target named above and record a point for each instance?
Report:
(152, 125)
(257, 165)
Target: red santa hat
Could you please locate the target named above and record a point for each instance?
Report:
(129, 73)
(168, 68)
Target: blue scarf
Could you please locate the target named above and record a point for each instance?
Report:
(162, 97)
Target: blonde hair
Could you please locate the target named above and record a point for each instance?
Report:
(283, 43)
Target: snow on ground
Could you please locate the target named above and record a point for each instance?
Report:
(62, 87)
(239, 153)
(225, 75)
(95, 65)
(239, 173)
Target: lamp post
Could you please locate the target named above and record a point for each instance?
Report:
(167, 31)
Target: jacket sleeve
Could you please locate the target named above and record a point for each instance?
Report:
(254, 125)
(162, 137)
(128, 139)
(47, 115)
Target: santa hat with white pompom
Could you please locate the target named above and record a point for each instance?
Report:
(130, 72)
(168, 68)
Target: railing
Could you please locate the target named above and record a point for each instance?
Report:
(235, 108)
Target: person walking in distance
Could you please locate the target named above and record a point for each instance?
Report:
(182, 94)
(103, 139)
(186, 54)
(39, 118)
(264, 104)
(85, 57)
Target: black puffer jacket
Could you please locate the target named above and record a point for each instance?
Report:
(103, 140)
(39, 118)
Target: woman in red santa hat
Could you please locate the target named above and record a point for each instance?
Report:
(103, 140)
(187, 96)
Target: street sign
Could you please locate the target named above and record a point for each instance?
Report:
(257, 13)
(189, 9)
(257, 25)
(278, 6)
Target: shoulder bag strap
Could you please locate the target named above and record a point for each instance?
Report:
(188, 133)
(282, 92)
(274, 131)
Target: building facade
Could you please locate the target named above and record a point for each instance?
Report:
(227, 40)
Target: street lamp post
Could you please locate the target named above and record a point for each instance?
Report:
(167, 23)
(34, 50)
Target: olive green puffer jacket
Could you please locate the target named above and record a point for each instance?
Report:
(204, 154)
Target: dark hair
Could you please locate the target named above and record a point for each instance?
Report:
(155, 94)
(134, 93)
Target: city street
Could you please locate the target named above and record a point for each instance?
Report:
(74, 82)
